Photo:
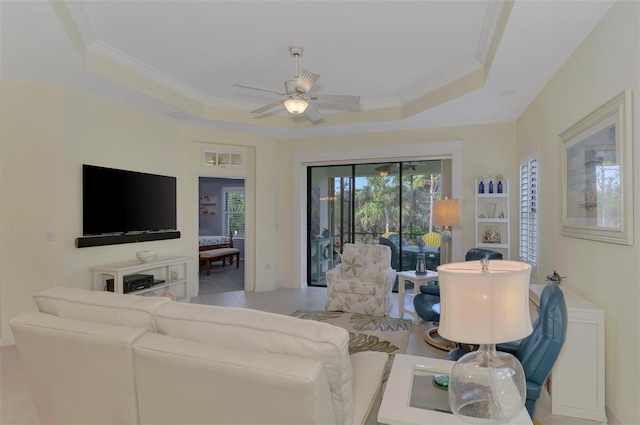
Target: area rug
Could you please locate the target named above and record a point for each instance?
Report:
(367, 333)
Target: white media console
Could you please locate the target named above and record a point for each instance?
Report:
(178, 283)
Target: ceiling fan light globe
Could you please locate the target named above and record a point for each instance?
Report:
(295, 106)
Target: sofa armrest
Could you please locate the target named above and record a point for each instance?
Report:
(368, 368)
(389, 279)
(333, 275)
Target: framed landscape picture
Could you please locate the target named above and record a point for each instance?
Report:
(597, 185)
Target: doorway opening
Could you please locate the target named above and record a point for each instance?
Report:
(222, 221)
(388, 203)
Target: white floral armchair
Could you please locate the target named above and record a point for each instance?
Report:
(362, 283)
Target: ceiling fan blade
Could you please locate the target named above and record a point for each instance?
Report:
(313, 113)
(336, 98)
(305, 81)
(242, 86)
(267, 107)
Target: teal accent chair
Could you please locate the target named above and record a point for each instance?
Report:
(430, 294)
(408, 258)
(475, 254)
(539, 351)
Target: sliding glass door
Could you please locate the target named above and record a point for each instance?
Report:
(388, 203)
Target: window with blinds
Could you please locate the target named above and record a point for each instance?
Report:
(233, 204)
(529, 211)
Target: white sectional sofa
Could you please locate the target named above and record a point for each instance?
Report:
(105, 358)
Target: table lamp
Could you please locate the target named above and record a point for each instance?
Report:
(485, 304)
(446, 213)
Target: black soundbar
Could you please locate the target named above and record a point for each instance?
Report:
(88, 241)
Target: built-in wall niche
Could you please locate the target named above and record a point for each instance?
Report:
(222, 159)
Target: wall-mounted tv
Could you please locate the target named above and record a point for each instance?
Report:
(122, 202)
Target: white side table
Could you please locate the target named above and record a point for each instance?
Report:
(409, 386)
(417, 280)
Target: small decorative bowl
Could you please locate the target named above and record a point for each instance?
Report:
(146, 256)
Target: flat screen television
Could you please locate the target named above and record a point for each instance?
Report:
(117, 202)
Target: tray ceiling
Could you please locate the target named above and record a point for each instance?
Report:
(414, 63)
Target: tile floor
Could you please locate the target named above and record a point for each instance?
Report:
(222, 279)
(16, 404)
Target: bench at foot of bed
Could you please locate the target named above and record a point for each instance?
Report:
(223, 254)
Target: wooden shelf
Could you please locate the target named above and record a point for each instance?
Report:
(492, 210)
(317, 259)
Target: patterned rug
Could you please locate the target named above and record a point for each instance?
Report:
(367, 333)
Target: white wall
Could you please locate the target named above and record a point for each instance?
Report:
(606, 274)
(48, 133)
(32, 186)
(99, 133)
(485, 149)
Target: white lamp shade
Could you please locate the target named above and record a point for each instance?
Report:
(446, 212)
(479, 307)
(295, 106)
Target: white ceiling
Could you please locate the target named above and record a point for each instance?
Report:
(406, 59)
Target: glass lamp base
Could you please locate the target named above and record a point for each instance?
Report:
(487, 386)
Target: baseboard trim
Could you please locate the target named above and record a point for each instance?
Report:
(612, 419)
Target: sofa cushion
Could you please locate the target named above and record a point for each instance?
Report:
(100, 306)
(352, 266)
(205, 384)
(253, 330)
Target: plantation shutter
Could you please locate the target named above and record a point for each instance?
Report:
(529, 211)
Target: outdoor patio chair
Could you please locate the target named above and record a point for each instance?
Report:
(432, 239)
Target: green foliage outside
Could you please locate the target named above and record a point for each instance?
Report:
(234, 212)
(377, 206)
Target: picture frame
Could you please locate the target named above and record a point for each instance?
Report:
(597, 184)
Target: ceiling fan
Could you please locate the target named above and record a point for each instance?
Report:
(386, 169)
(296, 94)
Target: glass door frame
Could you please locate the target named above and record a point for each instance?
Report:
(452, 150)
(317, 193)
